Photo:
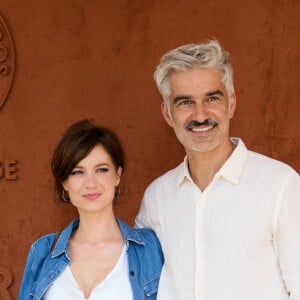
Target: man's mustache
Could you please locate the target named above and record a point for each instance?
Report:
(194, 123)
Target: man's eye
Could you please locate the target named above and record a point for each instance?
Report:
(213, 98)
(185, 102)
(76, 172)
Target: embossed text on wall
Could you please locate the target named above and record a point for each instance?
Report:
(8, 169)
(5, 282)
(7, 61)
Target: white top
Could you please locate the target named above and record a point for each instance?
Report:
(239, 239)
(116, 285)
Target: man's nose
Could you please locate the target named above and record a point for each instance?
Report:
(200, 112)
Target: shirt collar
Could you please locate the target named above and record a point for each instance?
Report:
(231, 169)
(233, 166)
(130, 234)
(183, 172)
(63, 239)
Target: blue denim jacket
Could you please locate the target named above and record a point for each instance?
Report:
(144, 253)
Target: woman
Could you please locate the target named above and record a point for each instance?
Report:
(97, 256)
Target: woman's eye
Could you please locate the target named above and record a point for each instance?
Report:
(76, 172)
(102, 170)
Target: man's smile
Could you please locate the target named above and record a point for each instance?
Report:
(204, 126)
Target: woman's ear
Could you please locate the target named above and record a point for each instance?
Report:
(119, 173)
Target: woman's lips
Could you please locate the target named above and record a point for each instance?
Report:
(92, 196)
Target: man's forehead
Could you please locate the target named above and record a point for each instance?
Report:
(197, 78)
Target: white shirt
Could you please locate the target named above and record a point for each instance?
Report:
(239, 239)
(116, 285)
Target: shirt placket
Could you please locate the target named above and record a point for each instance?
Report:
(198, 224)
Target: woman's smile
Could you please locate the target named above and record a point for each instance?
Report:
(91, 196)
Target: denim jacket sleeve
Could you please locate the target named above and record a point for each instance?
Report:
(37, 255)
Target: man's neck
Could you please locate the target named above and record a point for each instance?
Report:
(203, 166)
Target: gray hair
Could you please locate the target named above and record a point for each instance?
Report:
(204, 55)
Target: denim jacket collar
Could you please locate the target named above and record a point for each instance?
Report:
(129, 234)
(62, 242)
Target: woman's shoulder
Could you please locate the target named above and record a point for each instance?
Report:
(44, 242)
(147, 234)
(49, 240)
(144, 236)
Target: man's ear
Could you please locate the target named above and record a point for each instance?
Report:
(232, 105)
(166, 114)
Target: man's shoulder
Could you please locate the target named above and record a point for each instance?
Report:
(254, 161)
(268, 163)
(168, 178)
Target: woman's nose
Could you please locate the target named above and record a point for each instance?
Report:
(91, 180)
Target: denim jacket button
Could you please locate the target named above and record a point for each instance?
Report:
(131, 273)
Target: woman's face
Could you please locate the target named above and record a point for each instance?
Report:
(91, 184)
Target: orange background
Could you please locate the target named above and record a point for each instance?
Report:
(95, 59)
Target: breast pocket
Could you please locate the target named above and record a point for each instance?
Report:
(150, 289)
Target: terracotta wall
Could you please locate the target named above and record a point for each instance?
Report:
(95, 59)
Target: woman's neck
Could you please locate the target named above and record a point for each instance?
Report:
(95, 229)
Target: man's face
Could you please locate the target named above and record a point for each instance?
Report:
(200, 109)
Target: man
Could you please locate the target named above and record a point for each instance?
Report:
(228, 219)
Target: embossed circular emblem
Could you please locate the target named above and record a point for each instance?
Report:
(7, 61)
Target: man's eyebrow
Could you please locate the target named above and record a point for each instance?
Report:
(208, 94)
(212, 93)
(181, 97)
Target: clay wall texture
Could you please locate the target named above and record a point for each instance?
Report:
(95, 59)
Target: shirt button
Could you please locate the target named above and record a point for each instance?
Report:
(131, 273)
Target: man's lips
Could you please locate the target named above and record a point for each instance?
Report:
(91, 196)
(204, 126)
(201, 129)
